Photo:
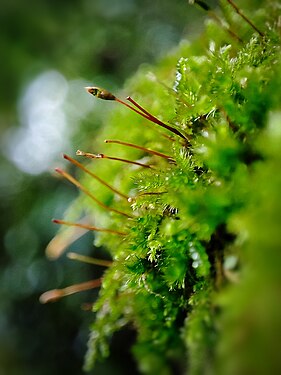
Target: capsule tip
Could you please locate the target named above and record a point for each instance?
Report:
(100, 93)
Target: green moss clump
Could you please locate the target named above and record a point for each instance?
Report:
(197, 274)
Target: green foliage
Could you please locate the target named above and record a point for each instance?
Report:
(204, 234)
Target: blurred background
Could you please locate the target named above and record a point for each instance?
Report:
(49, 51)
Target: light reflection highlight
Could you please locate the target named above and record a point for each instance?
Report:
(42, 135)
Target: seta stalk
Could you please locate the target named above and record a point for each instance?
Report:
(56, 294)
(152, 152)
(71, 179)
(81, 166)
(106, 95)
(88, 227)
(103, 156)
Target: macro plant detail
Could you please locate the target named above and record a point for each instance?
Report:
(183, 209)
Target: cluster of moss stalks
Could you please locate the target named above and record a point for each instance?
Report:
(193, 226)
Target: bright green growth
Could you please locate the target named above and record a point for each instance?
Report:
(198, 274)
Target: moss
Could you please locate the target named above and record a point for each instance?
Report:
(203, 233)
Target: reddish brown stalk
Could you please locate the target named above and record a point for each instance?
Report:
(227, 29)
(89, 227)
(106, 95)
(144, 113)
(140, 148)
(103, 156)
(62, 240)
(148, 117)
(212, 14)
(81, 166)
(241, 14)
(140, 107)
(56, 294)
(89, 260)
(82, 188)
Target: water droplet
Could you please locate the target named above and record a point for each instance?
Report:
(195, 256)
(195, 264)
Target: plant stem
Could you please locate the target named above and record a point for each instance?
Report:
(106, 95)
(103, 156)
(140, 148)
(89, 260)
(85, 226)
(238, 11)
(149, 116)
(55, 294)
(81, 166)
(82, 188)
